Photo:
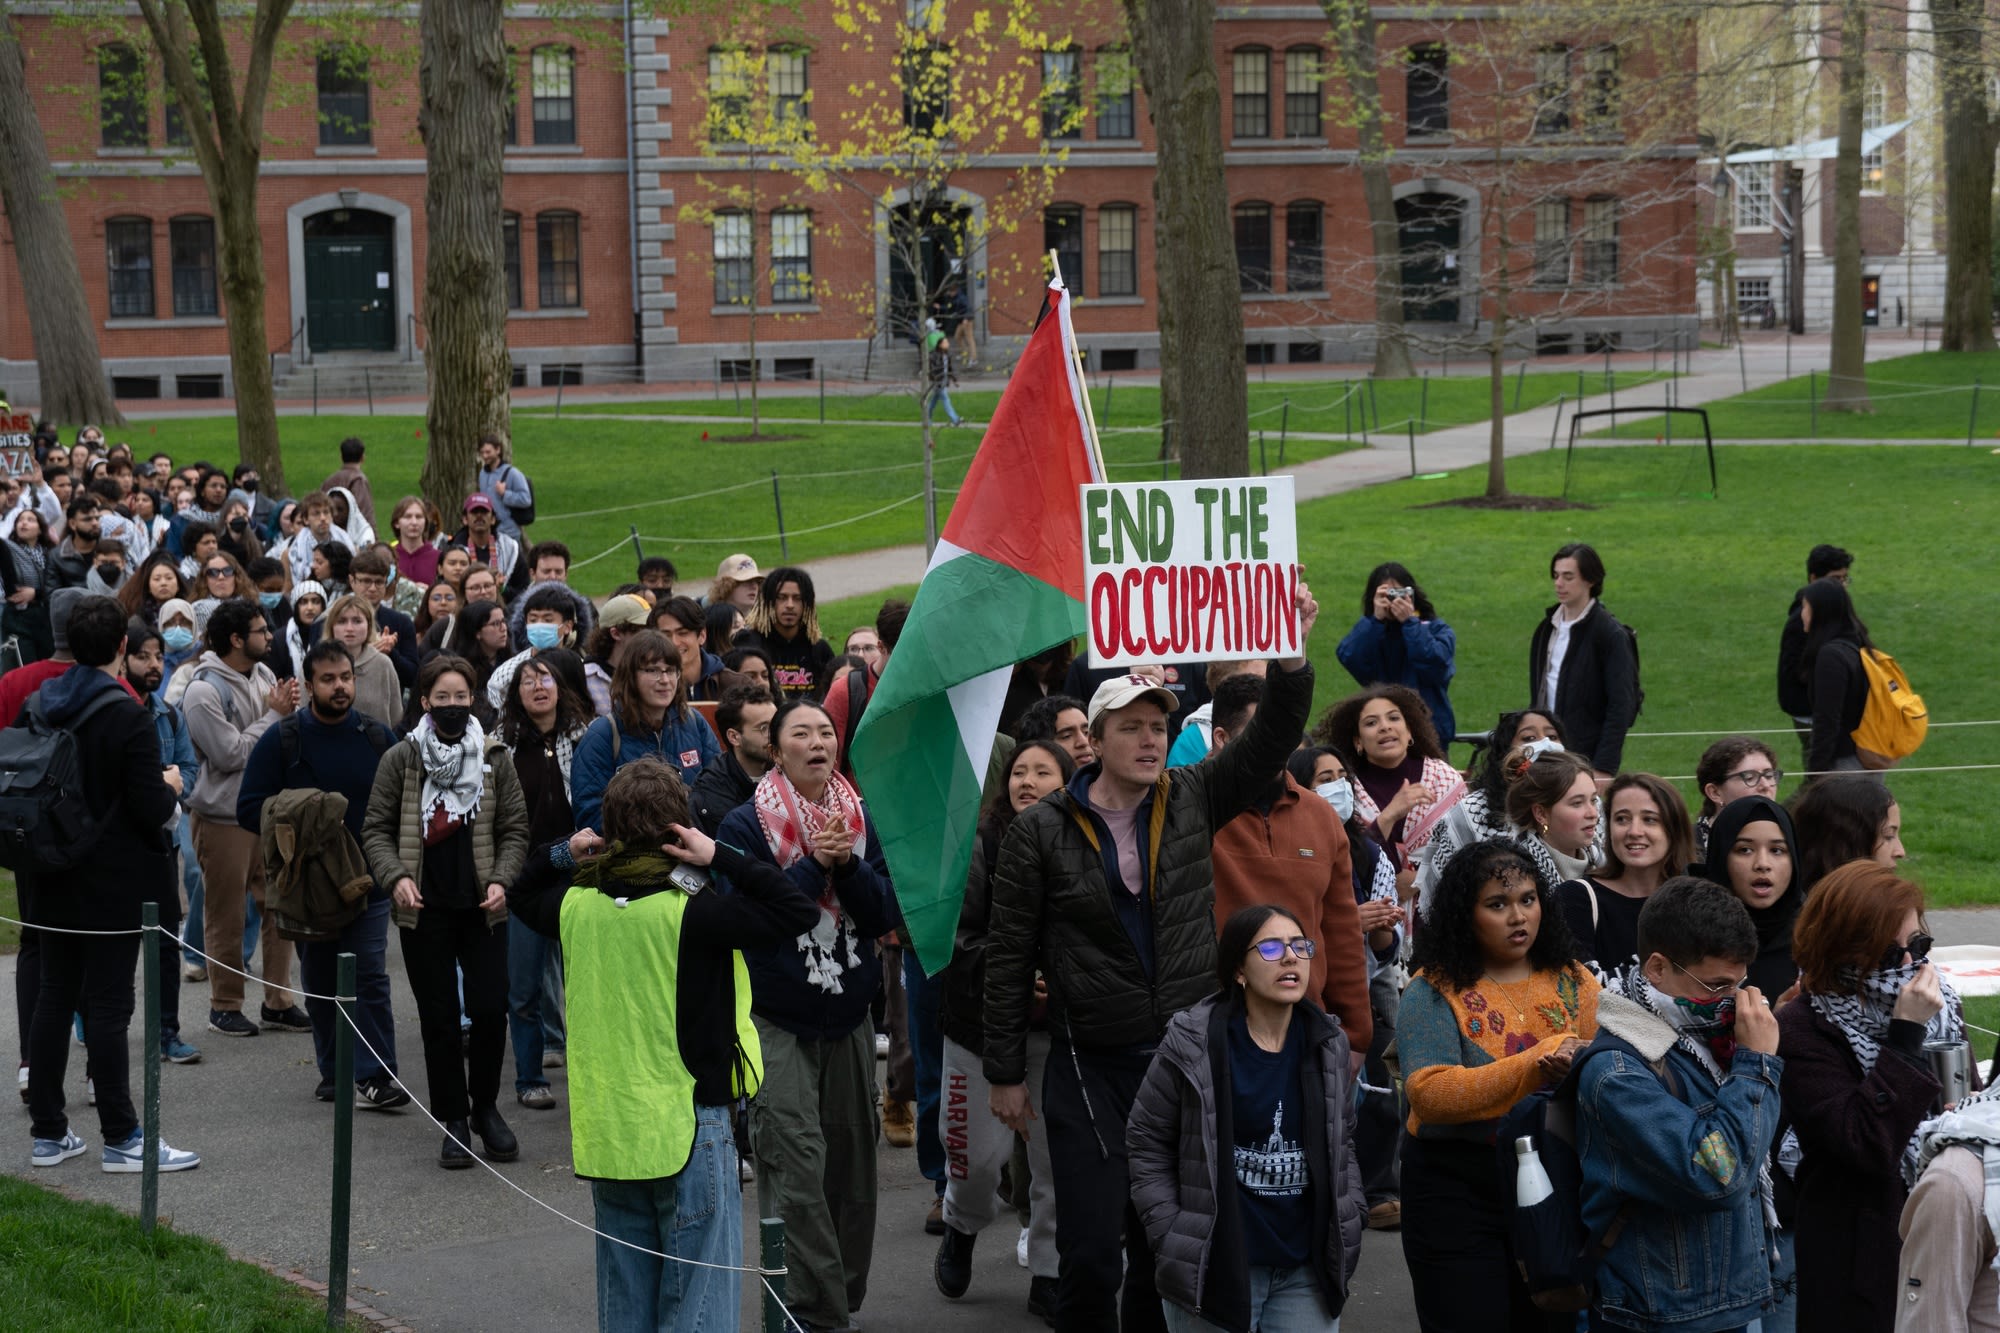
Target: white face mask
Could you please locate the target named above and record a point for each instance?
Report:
(1340, 795)
(1536, 749)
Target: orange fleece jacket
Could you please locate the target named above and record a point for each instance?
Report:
(1297, 858)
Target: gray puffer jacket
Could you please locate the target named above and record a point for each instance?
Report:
(1179, 1143)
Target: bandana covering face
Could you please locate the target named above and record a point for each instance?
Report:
(1705, 1029)
(789, 822)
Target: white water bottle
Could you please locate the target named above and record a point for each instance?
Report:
(1531, 1181)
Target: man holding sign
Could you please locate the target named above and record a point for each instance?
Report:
(1107, 888)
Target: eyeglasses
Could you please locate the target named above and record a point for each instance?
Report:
(1718, 991)
(220, 572)
(1272, 950)
(1919, 948)
(1757, 777)
(662, 669)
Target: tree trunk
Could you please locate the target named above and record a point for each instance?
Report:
(1354, 38)
(240, 257)
(463, 86)
(1968, 175)
(1195, 253)
(1847, 368)
(73, 387)
(1496, 375)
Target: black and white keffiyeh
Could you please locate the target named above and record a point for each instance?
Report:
(454, 774)
(1863, 1017)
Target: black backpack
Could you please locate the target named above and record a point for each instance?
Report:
(46, 822)
(1558, 1259)
(522, 515)
(1638, 684)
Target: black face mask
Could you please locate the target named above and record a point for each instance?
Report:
(238, 524)
(109, 572)
(449, 720)
(248, 485)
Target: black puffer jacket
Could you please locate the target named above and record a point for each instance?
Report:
(1181, 1139)
(1052, 905)
(1597, 694)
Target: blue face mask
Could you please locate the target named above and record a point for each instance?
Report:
(176, 638)
(271, 600)
(544, 636)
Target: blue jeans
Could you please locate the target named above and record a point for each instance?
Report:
(697, 1214)
(367, 938)
(1282, 1300)
(192, 883)
(555, 1034)
(1784, 1284)
(526, 953)
(940, 395)
(925, 996)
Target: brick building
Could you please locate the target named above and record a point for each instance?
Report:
(621, 266)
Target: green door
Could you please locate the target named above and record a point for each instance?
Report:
(350, 296)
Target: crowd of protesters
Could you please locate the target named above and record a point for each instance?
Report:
(1230, 985)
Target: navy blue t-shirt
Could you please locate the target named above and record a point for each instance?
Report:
(1269, 1150)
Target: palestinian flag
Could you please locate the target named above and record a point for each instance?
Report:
(1005, 583)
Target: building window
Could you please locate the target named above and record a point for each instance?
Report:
(1427, 91)
(1251, 72)
(1552, 243)
(734, 283)
(1600, 241)
(728, 95)
(1305, 248)
(1753, 294)
(1116, 118)
(1302, 98)
(510, 257)
(791, 257)
(559, 260)
(1600, 91)
(785, 75)
(1117, 250)
(121, 96)
(1253, 247)
(1551, 91)
(1062, 94)
(1753, 198)
(343, 97)
(1062, 232)
(552, 88)
(191, 241)
(926, 80)
(1874, 115)
(177, 130)
(128, 254)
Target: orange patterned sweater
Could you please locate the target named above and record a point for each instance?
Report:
(1469, 1055)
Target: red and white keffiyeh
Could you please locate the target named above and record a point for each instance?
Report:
(790, 822)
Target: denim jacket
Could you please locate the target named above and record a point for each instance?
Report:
(1692, 1254)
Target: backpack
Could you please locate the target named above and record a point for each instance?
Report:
(1558, 1259)
(1638, 685)
(522, 515)
(291, 739)
(1893, 720)
(46, 822)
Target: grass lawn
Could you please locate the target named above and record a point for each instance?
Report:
(1926, 396)
(596, 479)
(1330, 406)
(68, 1267)
(1706, 584)
(10, 935)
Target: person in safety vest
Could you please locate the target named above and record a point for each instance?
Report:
(651, 1093)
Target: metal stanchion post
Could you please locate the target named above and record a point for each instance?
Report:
(771, 1257)
(343, 1142)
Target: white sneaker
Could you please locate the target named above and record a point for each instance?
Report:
(54, 1152)
(746, 1171)
(129, 1157)
(881, 1046)
(24, 1083)
(1021, 1249)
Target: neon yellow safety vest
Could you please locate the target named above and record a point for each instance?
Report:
(632, 1112)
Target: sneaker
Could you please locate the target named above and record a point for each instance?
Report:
(54, 1152)
(90, 1092)
(78, 1021)
(193, 972)
(324, 1092)
(24, 1083)
(538, 1098)
(230, 1023)
(746, 1171)
(289, 1019)
(899, 1123)
(553, 1059)
(129, 1157)
(1021, 1249)
(381, 1093)
(881, 1046)
(177, 1052)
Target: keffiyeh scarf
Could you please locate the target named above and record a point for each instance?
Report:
(453, 770)
(1863, 1017)
(790, 821)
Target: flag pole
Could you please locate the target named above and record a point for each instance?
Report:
(1076, 355)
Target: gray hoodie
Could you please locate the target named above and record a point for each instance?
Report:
(226, 712)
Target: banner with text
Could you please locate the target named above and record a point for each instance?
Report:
(1190, 571)
(17, 445)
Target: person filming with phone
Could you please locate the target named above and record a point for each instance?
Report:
(1399, 640)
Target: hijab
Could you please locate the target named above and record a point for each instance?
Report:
(1774, 923)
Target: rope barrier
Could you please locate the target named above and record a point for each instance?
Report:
(1781, 731)
(787, 533)
(612, 549)
(1855, 772)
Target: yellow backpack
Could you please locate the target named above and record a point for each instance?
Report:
(1894, 720)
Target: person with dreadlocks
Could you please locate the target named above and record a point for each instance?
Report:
(651, 1093)
(785, 625)
(1677, 1109)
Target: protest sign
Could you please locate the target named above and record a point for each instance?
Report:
(17, 445)
(1190, 571)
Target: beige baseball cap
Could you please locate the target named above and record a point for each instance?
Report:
(1120, 691)
(624, 610)
(739, 567)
